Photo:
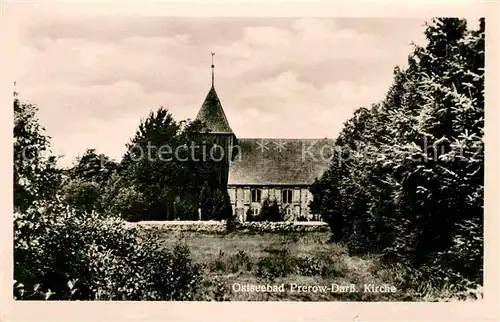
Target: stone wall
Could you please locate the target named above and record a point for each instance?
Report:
(220, 227)
(181, 225)
(266, 226)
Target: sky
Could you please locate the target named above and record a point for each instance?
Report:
(94, 77)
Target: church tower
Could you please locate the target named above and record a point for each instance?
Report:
(218, 132)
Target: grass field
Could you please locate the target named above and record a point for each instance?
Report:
(305, 259)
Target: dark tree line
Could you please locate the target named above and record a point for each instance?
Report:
(160, 177)
(408, 178)
(149, 183)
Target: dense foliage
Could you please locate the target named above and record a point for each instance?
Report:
(35, 173)
(270, 211)
(408, 178)
(165, 174)
(84, 186)
(214, 203)
(68, 254)
(166, 171)
(64, 249)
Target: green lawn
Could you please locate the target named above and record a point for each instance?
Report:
(305, 259)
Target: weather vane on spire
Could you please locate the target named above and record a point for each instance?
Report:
(213, 68)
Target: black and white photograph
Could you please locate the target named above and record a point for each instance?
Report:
(248, 159)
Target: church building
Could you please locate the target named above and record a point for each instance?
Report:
(255, 169)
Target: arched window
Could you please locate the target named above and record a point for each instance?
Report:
(286, 195)
(256, 195)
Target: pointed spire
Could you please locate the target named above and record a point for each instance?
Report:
(213, 68)
(211, 112)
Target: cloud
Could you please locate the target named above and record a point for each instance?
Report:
(95, 77)
(306, 42)
(284, 106)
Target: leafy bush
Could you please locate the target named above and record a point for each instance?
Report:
(100, 257)
(231, 264)
(250, 216)
(320, 266)
(123, 199)
(214, 289)
(278, 263)
(82, 195)
(270, 211)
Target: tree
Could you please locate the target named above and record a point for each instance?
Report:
(92, 166)
(215, 203)
(206, 201)
(420, 195)
(82, 195)
(165, 162)
(222, 209)
(85, 183)
(121, 197)
(35, 173)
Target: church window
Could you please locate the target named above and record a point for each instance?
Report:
(286, 195)
(256, 195)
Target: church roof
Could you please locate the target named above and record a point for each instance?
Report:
(280, 161)
(212, 114)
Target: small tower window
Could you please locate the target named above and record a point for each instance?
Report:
(256, 195)
(286, 195)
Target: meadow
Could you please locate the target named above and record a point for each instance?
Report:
(235, 259)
